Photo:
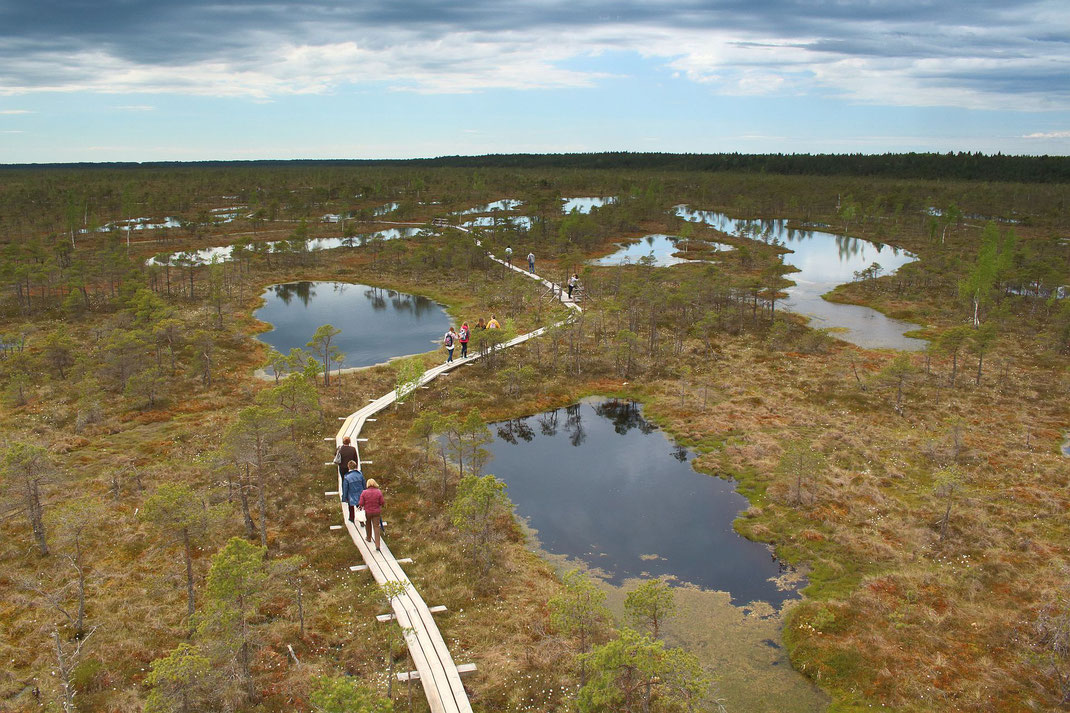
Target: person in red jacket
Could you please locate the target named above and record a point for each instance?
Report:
(463, 339)
(371, 501)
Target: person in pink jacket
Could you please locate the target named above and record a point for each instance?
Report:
(371, 501)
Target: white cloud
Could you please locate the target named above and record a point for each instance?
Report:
(969, 66)
(135, 107)
(1048, 135)
(10, 112)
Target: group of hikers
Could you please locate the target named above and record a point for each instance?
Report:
(572, 281)
(366, 496)
(509, 259)
(358, 494)
(452, 338)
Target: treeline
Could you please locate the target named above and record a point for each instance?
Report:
(932, 166)
(960, 166)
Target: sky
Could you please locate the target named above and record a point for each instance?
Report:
(155, 80)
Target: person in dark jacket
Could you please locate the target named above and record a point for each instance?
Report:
(348, 453)
(371, 501)
(352, 487)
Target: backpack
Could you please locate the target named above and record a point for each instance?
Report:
(448, 341)
(464, 334)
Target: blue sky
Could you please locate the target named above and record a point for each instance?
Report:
(160, 80)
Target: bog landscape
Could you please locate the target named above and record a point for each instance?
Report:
(797, 441)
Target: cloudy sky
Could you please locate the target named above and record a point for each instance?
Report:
(147, 80)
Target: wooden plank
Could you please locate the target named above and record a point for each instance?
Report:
(435, 682)
(453, 686)
(415, 675)
(390, 617)
(435, 668)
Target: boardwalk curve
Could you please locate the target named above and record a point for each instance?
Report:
(435, 668)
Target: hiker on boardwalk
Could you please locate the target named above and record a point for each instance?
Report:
(449, 341)
(463, 337)
(493, 323)
(531, 263)
(344, 455)
(572, 282)
(371, 501)
(352, 488)
(481, 324)
(509, 255)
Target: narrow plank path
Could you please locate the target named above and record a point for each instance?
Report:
(435, 668)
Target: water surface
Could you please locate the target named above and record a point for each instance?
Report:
(225, 252)
(219, 216)
(658, 247)
(584, 205)
(502, 205)
(520, 222)
(376, 324)
(599, 483)
(825, 261)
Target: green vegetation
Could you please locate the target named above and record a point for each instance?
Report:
(164, 541)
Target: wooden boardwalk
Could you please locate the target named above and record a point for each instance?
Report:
(435, 667)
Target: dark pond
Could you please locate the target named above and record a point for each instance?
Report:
(601, 484)
(376, 324)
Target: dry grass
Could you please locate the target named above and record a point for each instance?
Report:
(895, 616)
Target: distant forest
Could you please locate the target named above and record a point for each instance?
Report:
(932, 166)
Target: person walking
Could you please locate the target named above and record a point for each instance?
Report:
(531, 263)
(450, 342)
(371, 501)
(352, 488)
(572, 282)
(343, 455)
(481, 324)
(463, 337)
(509, 255)
(493, 323)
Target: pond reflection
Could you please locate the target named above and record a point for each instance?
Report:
(376, 324)
(658, 250)
(600, 483)
(825, 260)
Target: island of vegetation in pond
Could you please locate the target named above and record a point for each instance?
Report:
(821, 262)
(660, 250)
